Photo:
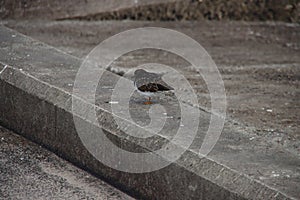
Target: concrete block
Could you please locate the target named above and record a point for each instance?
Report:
(35, 99)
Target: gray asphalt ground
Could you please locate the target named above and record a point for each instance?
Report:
(28, 171)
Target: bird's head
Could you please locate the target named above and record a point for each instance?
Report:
(139, 72)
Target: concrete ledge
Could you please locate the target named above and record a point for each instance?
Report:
(35, 95)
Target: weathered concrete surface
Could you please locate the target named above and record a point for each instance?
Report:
(28, 171)
(283, 10)
(259, 63)
(239, 167)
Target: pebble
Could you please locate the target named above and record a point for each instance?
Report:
(113, 102)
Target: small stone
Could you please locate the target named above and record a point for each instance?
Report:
(288, 7)
(289, 44)
(106, 87)
(113, 102)
(252, 138)
(258, 34)
(262, 178)
(169, 117)
(275, 175)
(192, 188)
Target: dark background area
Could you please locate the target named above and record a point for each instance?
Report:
(249, 10)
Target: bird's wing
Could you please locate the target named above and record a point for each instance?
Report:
(152, 82)
(163, 86)
(150, 87)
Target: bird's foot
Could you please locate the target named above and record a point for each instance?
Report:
(148, 103)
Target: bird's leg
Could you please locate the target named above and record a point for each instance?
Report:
(148, 102)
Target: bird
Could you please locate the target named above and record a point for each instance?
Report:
(148, 83)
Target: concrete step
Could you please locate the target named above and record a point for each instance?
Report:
(258, 61)
(36, 87)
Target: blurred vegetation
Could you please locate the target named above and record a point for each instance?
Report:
(248, 10)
